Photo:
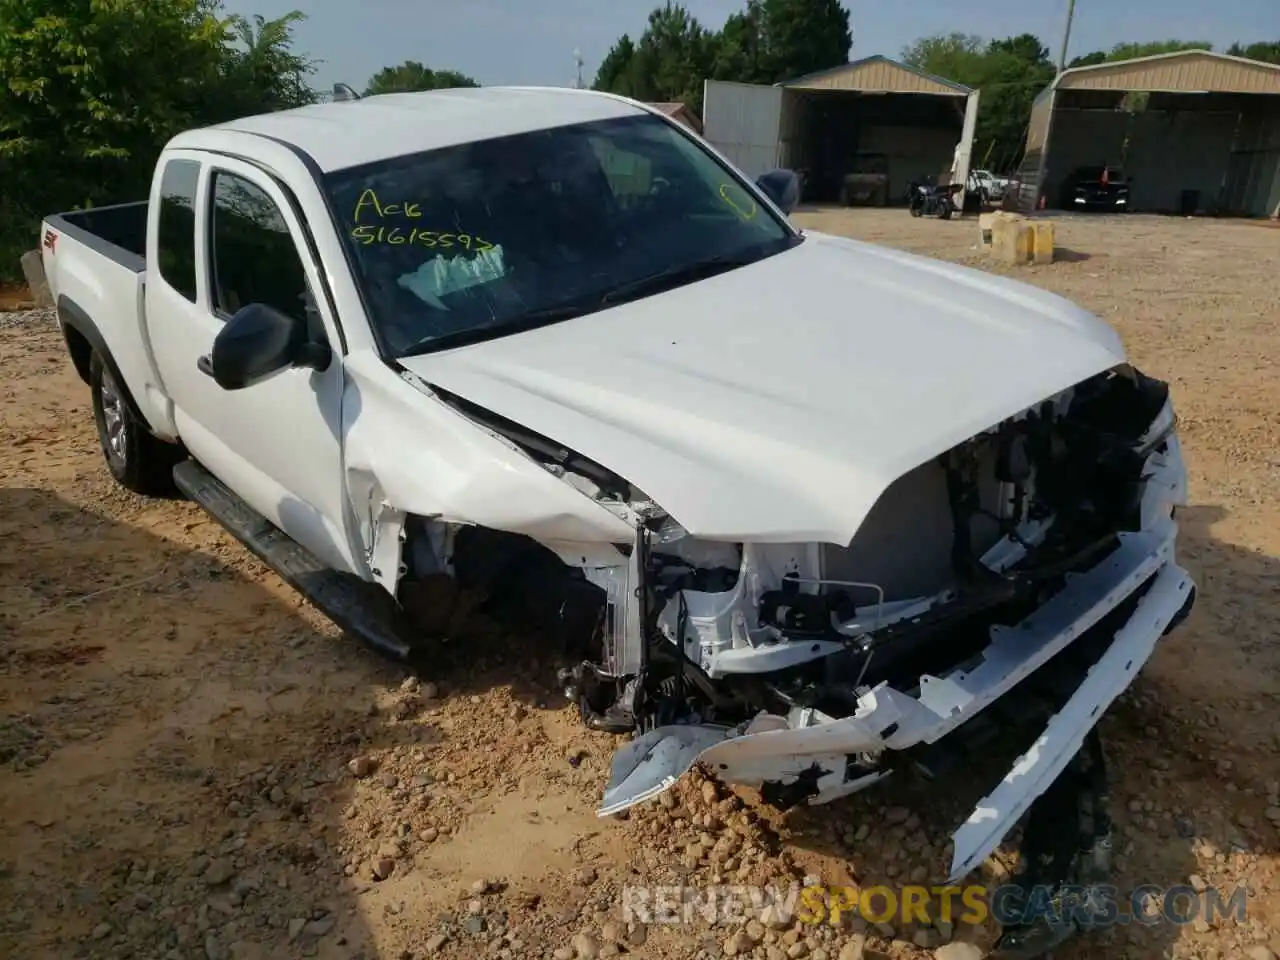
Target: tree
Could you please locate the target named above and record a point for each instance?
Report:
(412, 75)
(799, 37)
(613, 74)
(740, 54)
(1014, 71)
(669, 62)
(768, 41)
(261, 72)
(1089, 59)
(92, 90)
(1131, 51)
(1009, 73)
(952, 56)
(1268, 51)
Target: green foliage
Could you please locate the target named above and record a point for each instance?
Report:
(260, 71)
(1130, 51)
(674, 55)
(1268, 51)
(768, 41)
(798, 37)
(952, 56)
(94, 88)
(1009, 73)
(1089, 59)
(412, 75)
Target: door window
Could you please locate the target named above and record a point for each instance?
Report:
(176, 230)
(253, 256)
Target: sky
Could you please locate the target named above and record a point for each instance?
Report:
(533, 41)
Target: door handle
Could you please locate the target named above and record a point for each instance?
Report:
(205, 365)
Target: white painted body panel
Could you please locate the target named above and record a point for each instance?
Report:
(340, 135)
(278, 445)
(113, 295)
(407, 449)
(800, 386)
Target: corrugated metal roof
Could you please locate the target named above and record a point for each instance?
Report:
(1184, 71)
(876, 74)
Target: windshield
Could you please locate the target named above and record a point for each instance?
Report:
(483, 239)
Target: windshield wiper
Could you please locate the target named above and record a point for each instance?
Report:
(676, 276)
(517, 324)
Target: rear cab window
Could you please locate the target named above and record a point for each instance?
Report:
(176, 226)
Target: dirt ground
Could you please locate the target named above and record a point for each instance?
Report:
(196, 765)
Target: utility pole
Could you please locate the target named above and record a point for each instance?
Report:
(1066, 36)
(577, 59)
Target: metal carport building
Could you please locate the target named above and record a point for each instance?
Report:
(819, 123)
(1195, 132)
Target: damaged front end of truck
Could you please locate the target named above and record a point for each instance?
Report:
(1022, 577)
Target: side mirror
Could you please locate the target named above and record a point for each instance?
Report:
(782, 187)
(260, 341)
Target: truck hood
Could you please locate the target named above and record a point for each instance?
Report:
(777, 402)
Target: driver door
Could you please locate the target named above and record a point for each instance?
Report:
(278, 443)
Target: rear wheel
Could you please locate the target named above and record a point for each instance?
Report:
(137, 460)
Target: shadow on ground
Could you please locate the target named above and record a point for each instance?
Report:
(192, 760)
(1067, 255)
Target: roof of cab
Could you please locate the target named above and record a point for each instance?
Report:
(354, 132)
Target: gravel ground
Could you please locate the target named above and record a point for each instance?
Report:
(193, 764)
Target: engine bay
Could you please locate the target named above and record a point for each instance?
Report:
(673, 629)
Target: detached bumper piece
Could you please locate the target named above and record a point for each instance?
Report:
(1052, 897)
(1147, 616)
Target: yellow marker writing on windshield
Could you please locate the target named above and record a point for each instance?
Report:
(395, 236)
(724, 195)
(369, 199)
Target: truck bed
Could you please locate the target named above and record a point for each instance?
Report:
(118, 232)
(96, 268)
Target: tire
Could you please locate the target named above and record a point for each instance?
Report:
(137, 460)
(945, 211)
(917, 210)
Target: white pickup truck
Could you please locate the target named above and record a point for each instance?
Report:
(802, 509)
(995, 186)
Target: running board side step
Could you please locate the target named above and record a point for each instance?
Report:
(361, 609)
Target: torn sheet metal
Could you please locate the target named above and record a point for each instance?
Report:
(888, 718)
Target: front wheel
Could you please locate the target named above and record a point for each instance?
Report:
(137, 460)
(945, 209)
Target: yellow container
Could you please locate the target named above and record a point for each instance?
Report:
(1042, 241)
(1011, 240)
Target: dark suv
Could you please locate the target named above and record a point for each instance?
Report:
(1095, 188)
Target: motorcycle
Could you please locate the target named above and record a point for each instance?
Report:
(927, 199)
